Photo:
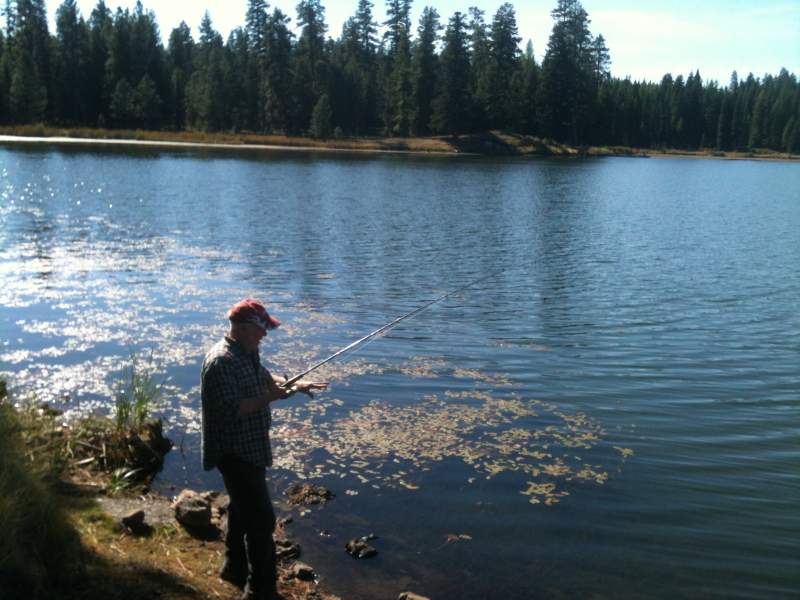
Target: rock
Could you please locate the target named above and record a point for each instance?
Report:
(133, 518)
(286, 549)
(192, 510)
(219, 507)
(360, 549)
(411, 596)
(134, 521)
(308, 493)
(147, 448)
(303, 572)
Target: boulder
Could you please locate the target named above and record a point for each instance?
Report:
(192, 510)
(360, 549)
(147, 448)
(303, 572)
(134, 521)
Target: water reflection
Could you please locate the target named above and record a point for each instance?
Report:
(625, 385)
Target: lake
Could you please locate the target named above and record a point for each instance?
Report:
(615, 413)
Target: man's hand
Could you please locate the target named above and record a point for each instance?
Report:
(308, 387)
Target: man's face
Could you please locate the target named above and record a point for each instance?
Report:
(252, 335)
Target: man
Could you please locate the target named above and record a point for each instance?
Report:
(236, 395)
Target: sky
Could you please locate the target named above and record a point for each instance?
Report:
(647, 38)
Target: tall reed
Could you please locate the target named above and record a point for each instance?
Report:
(137, 397)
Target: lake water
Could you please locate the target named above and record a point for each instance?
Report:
(614, 414)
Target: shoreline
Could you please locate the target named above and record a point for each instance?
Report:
(115, 532)
(492, 144)
(9, 139)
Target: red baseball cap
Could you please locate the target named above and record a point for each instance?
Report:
(252, 311)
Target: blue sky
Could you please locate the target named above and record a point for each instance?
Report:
(647, 38)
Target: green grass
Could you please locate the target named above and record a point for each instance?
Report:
(40, 551)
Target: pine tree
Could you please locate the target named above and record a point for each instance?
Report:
(251, 64)
(310, 68)
(357, 90)
(480, 70)
(601, 60)
(451, 107)
(424, 71)
(724, 122)
(398, 24)
(505, 56)
(757, 126)
(100, 30)
(179, 55)
(398, 103)
(29, 93)
(146, 52)
(256, 25)
(205, 107)
(276, 90)
(119, 63)
(321, 119)
(365, 29)
(524, 91)
(71, 59)
(146, 104)
(122, 108)
(567, 90)
(241, 80)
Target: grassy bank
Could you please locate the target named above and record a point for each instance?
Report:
(491, 143)
(59, 485)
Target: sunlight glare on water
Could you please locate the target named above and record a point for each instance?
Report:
(611, 415)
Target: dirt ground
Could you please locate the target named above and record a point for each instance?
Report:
(166, 562)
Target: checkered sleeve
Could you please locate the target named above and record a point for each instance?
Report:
(222, 388)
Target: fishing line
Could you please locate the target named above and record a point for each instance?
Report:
(385, 329)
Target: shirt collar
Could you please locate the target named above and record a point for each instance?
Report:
(237, 347)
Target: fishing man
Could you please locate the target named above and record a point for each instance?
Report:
(236, 396)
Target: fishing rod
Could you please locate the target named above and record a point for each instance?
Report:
(292, 380)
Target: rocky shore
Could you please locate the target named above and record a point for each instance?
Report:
(135, 543)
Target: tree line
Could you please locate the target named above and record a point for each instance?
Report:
(467, 74)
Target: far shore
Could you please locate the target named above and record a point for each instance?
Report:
(491, 143)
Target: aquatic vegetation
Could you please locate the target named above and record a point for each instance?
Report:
(624, 452)
(137, 397)
(390, 446)
(424, 366)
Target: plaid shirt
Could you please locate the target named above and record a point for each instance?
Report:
(229, 376)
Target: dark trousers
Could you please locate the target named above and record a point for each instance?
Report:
(251, 521)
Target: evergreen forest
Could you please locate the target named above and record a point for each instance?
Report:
(445, 75)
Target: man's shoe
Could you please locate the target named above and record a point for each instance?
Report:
(234, 575)
(250, 594)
